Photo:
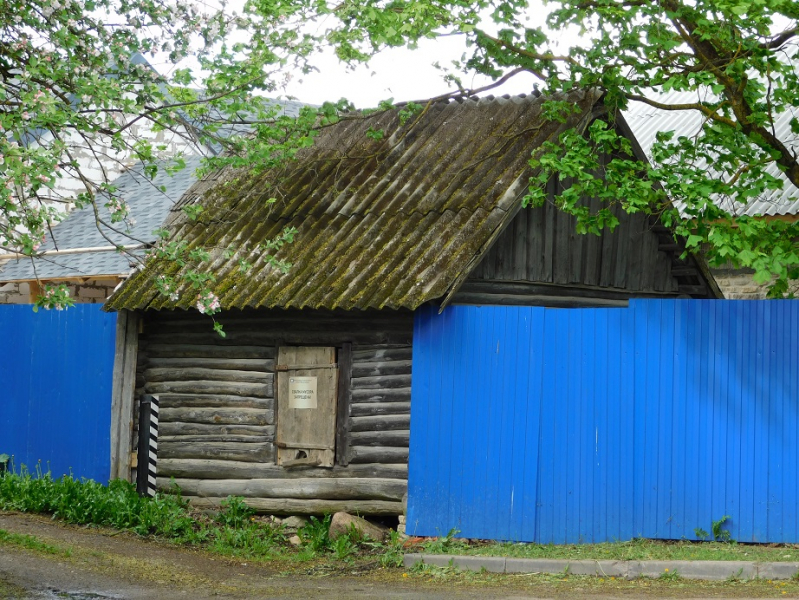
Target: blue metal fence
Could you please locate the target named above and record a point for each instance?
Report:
(591, 425)
(56, 369)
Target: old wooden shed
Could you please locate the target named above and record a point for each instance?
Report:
(304, 406)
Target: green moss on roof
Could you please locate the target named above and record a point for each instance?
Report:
(381, 223)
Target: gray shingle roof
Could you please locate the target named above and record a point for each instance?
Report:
(149, 207)
(645, 121)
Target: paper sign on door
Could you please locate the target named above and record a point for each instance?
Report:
(302, 392)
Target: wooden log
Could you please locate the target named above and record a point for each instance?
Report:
(240, 416)
(362, 355)
(315, 488)
(254, 453)
(177, 351)
(400, 438)
(344, 398)
(374, 369)
(195, 468)
(169, 428)
(285, 506)
(212, 400)
(279, 322)
(200, 374)
(253, 337)
(193, 439)
(393, 395)
(122, 395)
(379, 454)
(383, 423)
(265, 365)
(258, 390)
(382, 382)
(380, 408)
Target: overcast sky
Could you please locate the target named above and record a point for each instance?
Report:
(398, 73)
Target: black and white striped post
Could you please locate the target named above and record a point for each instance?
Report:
(148, 445)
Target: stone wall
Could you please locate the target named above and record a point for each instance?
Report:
(15, 293)
(738, 284)
(84, 291)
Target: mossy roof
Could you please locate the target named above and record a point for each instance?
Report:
(381, 223)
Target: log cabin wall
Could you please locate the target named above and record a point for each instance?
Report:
(218, 407)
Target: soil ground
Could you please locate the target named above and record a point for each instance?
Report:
(92, 563)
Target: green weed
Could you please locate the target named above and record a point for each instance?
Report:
(637, 549)
(251, 540)
(391, 551)
(235, 512)
(31, 543)
(315, 534)
(346, 545)
(669, 575)
(447, 544)
(719, 533)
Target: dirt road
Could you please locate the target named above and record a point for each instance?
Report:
(90, 563)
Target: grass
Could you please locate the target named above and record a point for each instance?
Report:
(30, 542)
(233, 531)
(638, 549)
(236, 531)
(564, 585)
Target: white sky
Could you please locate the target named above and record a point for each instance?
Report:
(397, 73)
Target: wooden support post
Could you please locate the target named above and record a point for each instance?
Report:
(123, 383)
(146, 472)
(343, 408)
(34, 290)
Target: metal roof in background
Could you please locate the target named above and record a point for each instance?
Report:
(646, 121)
(149, 207)
(390, 222)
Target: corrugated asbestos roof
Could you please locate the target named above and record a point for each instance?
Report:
(149, 206)
(381, 223)
(645, 121)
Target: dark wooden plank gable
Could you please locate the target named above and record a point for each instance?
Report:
(626, 259)
(539, 258)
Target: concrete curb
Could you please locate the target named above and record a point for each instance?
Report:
(626, 569)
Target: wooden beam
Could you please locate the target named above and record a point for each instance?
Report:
(314, 488)
(34, 290)
(343, 406)
(693, 290)
(589, 294)
(123, 384)
(205, 468)
(286, 506)
(685, 271)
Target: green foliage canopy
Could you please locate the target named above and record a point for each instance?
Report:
(69, 86)
(734, 63)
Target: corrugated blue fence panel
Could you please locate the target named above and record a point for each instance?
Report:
(56, 369)
(593, 425)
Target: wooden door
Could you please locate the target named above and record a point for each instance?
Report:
(307, 379)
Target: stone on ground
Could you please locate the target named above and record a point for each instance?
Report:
(342, 522)
(294, 522)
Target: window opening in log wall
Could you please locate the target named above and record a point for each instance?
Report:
(307, 381)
